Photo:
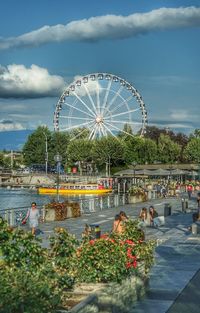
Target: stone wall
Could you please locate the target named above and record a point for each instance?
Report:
(111, 297)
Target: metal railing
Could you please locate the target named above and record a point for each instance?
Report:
(14, 216)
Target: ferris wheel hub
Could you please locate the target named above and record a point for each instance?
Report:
(99, 119)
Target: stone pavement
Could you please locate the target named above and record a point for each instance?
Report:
(177, 257)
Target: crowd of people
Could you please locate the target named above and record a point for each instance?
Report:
(147, 217)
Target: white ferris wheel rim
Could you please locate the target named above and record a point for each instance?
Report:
(99, 118)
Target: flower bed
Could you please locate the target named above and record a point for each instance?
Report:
(137, 194)
(115, 264)
(59, 211)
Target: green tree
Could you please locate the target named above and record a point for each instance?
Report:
(1, 159)
(34, 149)
(148, 151)
(108, 150)
(126, 132)
(79, 133)
(58, 144)
(192, 150)
(134, 150)
(168, 150)
(80, 151)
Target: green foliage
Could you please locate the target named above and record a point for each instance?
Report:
(101, 260)
(24, 291)
(144, 250)
(168, 150)
(138, 191)
(108, 149)
(34, 149)
(133, 148)
(63, 247)
(192, 150)
(132, 231)
(30, 281)
(114, 257)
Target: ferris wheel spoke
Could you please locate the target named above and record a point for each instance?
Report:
(77, 126)
(93, 132)
(125, 101)
(119, 129)
(85, 105)
(123, 113)
(106, 97)
(98, 101)
(77, 135)
(91, 100)
(117, 94)
(109, 131)
(77, 109)
(124, 122)
(76, 118)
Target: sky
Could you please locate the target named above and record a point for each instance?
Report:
(45, 45)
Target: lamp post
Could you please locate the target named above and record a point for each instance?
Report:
(108, 163)
(58, 159)
(46, 153)
(134, 166)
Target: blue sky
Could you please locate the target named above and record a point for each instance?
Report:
(45, 44)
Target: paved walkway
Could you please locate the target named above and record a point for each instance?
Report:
(177, 261)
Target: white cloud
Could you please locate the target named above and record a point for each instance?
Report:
(109, 27)
(17, 81)
(8, 125)
(183, 115)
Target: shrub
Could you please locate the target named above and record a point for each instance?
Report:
(24, 291)
(30, 282)
(101, 260)
(63, 247)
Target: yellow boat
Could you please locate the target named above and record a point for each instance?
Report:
(66, 189)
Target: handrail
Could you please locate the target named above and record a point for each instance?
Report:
(14, 216)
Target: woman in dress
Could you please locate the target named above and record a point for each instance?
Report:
(33, 215)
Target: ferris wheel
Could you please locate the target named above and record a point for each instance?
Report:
(101, 104)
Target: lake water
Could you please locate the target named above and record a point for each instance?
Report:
(20, 198)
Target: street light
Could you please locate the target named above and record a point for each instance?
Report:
(134, 166)
(46, 153)
(58, 159)
(108, 163)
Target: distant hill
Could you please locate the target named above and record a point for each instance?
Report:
(14, 140)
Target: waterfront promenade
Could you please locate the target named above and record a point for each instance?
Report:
(174, 279)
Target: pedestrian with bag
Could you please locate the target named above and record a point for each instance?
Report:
(33, 216)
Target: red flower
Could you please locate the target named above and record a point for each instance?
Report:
(104, 236)
(128, 264)
(92, 242)
(130, 242)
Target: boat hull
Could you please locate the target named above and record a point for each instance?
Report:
(43, 190)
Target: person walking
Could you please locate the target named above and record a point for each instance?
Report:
(33, 216)
(189, 191)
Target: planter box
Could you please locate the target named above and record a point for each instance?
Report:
(50, 214)
(111, 297)
(135, 199)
